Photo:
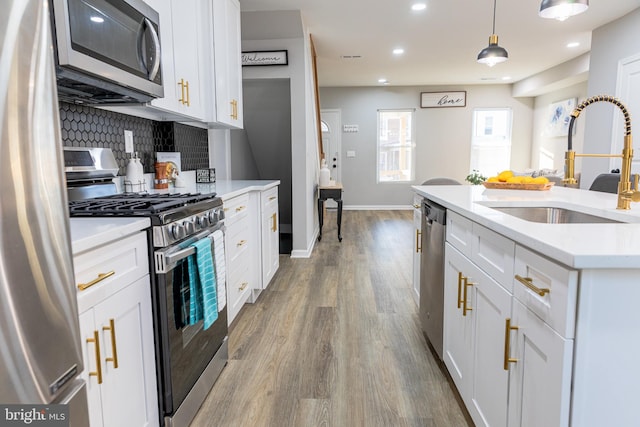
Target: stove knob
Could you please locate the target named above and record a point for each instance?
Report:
(213, 217)
(177, 231)
(203, 221)
(189, 226)
(221, 214)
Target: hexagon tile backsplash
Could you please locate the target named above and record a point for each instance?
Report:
(84, 126)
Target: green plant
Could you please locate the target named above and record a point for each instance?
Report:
(475, 177)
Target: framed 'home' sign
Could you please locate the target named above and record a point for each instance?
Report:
(273, 57)
(443, 99)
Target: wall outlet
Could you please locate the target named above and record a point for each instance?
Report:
(128, 141)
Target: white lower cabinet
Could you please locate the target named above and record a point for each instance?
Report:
(475, 309)
(417, 250)
(540, 382)
(270, 235)
(117, 333)
(509, 323)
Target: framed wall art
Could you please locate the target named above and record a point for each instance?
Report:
(443, 99)
(559, 116)
(271, 57)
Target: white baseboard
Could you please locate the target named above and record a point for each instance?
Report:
(377, 208)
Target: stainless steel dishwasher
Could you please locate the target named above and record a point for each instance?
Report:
(432, 272)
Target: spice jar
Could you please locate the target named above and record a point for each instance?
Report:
(162, 180)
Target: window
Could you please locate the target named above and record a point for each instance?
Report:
(396, 160)
(491, 141)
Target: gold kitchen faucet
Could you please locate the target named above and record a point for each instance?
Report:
(626, 193)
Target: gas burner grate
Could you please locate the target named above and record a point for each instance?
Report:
(134, 204)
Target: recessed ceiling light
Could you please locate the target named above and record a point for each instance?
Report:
(506, 78)
(383, 81)
(573, 44)
(418, 6)
(398, 51)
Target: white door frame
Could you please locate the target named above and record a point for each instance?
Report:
(333, 152)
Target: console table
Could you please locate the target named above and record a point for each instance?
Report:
(330, 192)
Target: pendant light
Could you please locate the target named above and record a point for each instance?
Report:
(562, 9)
(493, 54)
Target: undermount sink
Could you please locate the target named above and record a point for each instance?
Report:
(551, 215)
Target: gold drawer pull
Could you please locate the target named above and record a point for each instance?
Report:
(507, 344)
(274, 223)
(464, 303)
(225, 209)
(100, 278)
(418, 248)
(416, 206)
(528, 282)
(112, 328)
(241, 243)
(239, 208)
(243, 286)
(98, 372)
(272, 198)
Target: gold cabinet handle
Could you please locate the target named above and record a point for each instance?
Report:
(528, 282)
(243, 286)
(418, 248)
(274, 223)
(272, 198)
(416, 206)
(100, 278)
(241, 243)
(507, 344)
(465, 308)
(112, 328)
(181, 84)
(188, 98)
(461, 279)
(98, 372)
(240, 208)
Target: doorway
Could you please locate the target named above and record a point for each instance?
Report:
(331, 145)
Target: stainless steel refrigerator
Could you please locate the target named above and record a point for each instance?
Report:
(40, 348)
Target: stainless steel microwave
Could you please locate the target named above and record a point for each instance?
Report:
(107, 51)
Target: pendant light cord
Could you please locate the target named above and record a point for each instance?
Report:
(494, 16)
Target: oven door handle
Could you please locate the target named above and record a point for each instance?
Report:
(167, 262)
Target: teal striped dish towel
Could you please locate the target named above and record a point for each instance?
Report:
(195, 292)
(207, 281)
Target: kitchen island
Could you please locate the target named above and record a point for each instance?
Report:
(540, 325)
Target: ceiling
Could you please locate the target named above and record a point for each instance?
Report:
(441, 43)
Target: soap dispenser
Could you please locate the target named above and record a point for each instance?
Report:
(325, 175)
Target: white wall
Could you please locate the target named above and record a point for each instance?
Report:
(443, 136)
(557, 146)
(609, 44)
(304, 142)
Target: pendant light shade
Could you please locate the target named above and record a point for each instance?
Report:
(562, 9)
(493, 54)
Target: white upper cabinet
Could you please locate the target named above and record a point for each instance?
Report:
(227, 108)
(181, 32)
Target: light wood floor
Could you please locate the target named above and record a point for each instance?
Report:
(335, 340)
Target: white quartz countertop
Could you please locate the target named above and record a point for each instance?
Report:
(88, 233)
(583, 246)
(226, 189)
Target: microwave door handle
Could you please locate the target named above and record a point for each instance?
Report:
(155, 67)
(152, 70)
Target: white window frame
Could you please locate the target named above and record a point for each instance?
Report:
(479, 142)
(411, 145)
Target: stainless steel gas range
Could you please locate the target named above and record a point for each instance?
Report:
(189, 354)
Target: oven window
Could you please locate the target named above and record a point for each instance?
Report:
(108, 31)
(190, 347)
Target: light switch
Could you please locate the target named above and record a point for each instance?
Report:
(351, 153)
(128, 141)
